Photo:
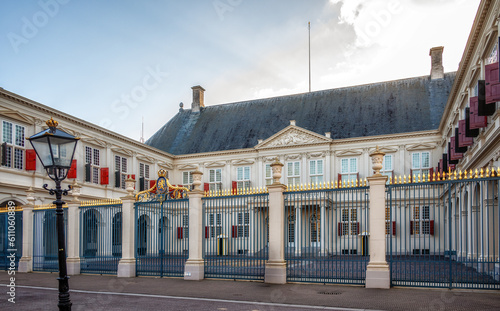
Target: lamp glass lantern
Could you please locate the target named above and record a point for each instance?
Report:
(55, 149)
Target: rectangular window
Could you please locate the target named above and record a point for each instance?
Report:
(349, 169)
(187, 179)
(144, 174)
(185, 225)
(214, 225)
(387, 166)
(243, 224)
(121, 170)
(215, 179)
(420, 163)
(243, 177)
(421, 223)
(13, 141)
(293, 173)
(92, 159)
(269, 175)
(349, 221)
(316, 171)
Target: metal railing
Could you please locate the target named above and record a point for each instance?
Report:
(235, 234)
(444, 233)
(162, 237)
(326, 233)
(100, 236)
(45, 254)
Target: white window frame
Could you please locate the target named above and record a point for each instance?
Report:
(215, 179)
(214, 223)
(187, 179)
(243, 177)
(16, 146)
(144, 172)
(419, 167)
(243, 224)
(316, 171)
(349, 172)
(268, 175)
(293, 173)
(122, 166)
(349, 221)
(388, 166)
(94, 156)
(421, 217)
(185, 226)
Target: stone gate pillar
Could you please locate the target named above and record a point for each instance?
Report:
(194, 269)
(377, 272)
(73, 261)
(275, 272)
(26, 261)
(126, 265)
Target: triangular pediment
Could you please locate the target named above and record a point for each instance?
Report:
(122, 150)
(420, 147)
(185, 167)
(16, 115)
(215, 164)
(165, 165)
(93, 141)
(145, 158)
(383, 149)
(243, 162)
(348, 153)
(293, 136)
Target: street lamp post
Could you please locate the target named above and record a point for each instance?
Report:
(55, 149)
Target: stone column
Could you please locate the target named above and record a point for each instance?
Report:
(26, 261)
(73, 260)
(377, 272)
(194, 269)
(276, 265)
(126, 265)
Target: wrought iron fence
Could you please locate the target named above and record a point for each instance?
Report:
(45, 254)
(100, 236)
(162, 237)
(444, 233)
(326, 233)
(11, 238)
(236, 234)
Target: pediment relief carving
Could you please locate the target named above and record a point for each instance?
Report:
(420, 147)
(94, 141)
(145, 158)
(165, 165)
(293, 157)
(293, 136)
(122, 150)
(384, 149)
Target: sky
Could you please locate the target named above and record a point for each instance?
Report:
(116, 63)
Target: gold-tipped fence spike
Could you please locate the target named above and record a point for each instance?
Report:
(418, 179)
(498, 171)
(487, 172)
(404, 179)
(482, 171)
(476, 175)
(455, 175)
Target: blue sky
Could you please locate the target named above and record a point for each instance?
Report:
(114, 62)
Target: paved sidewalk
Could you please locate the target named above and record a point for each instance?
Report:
(38, 291)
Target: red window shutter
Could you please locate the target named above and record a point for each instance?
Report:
(72, 170)
(440, 166)
(206, 187)
(463, 140)
(431, 174)
(234, 187)
(339, 178)
(339, 229)
(152, 183)
(476, 121)
(431, 227)
(104, 175)
(31, 160)
(411, 226)
(393, 228)
(234, 231)
(492, 83)
(357, 225)
(179, 232)
(411, 175)
(454, 154)
(207, 232)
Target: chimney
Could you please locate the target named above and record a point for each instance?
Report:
(198, 98)
(437, 70)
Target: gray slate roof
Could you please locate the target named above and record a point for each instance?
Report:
(400, 106)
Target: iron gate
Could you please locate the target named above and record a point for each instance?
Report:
(444, 233)
(11, 238)
(162, 237)
(100, 237)
(326, 235)
(45, 254)
(236, 237)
